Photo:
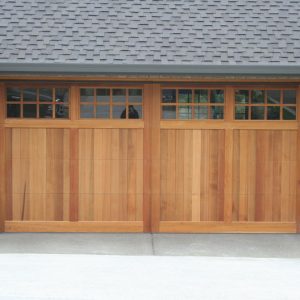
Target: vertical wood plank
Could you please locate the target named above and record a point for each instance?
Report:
(252, 171)
(155, 157)
(74, 173)
(220, 166)
(203, 179)
(177, 161)
(147, 98)
(298, 164)
(228, 162)
(2, 178)
(244, 179)
(260, 174)
(276, 188)
(196, 175)
(2, 159)
(228, 178)
(8, 174)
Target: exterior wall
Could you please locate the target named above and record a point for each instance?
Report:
(151, 174)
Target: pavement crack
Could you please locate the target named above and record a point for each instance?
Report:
(152, 244)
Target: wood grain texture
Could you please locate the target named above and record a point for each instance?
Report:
(221, 227)
(64, 226)
(74, 175)
(264, 171)
(155, 161)
(228, 175)
(8, 173)
(148, 95)
(39, 177)
(2, 160)
(2, 179)
(110, 174)
(39, 123)
(227, 124)
(149, 175)
(298, 164)
(192, 175)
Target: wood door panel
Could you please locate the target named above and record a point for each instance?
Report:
(40, 178)
(264, 175)
(192, 173)
(110, 174)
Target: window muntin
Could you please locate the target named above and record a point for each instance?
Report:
(265, 104)
(188, 104)
(37, 103)
(111, 103)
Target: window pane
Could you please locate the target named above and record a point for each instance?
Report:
(217, 96)
(185, 112)
(103, 95)
(289, 97)
(201, 96)
(257, 96)
(45, 110)
(185, 96)
(169, 96)
(29, 94)
(46, 94)
(135, 95)
(273, 97)
(273, 113)
(133, 112)
(139, 110)
(62, 95)
(61, 111)
(169, 112)
(29, 111)
(217, 112)
(257, 112)
(13, 94)
(103, 111)
(119, 95)
(119, 112)
(241, 112)
(86, 111)
(201, 112)
(13, 110)
(86, 95)
(289, 113)
(242, 96)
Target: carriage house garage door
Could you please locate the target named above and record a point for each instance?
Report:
(134, 157)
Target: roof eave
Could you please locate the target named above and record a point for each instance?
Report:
(165, 69)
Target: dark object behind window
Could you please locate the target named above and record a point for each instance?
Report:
(132, 114)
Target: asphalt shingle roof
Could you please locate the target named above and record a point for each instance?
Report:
(229, 32)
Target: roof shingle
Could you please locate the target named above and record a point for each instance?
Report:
(228, 32)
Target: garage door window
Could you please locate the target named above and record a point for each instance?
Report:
(37, 103)
(198, 104)
(111, 103)
(265, 104)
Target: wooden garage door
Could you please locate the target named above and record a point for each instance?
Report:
(228, 159)
(77, 167)
(149, 157)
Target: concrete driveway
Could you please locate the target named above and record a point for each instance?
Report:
(220, 245)
(145, 266)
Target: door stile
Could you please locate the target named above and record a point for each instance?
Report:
(2, 160)
(151, 210)
(228, 161)
(298, 164)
